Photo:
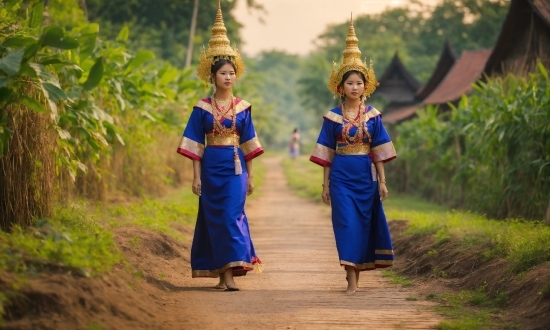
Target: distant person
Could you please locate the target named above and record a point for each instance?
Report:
(294, 145)
(222, 246)
(352, 147)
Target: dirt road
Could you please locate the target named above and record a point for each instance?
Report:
(302, 286)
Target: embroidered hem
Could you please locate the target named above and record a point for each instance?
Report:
(240, 268)
(368, 265)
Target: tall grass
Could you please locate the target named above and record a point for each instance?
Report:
(491, 154)
(27, 169)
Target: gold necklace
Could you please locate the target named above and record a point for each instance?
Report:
(223, 103)
(219, 113)
(358, 122)
(220, 129)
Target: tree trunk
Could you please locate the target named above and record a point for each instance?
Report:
(84, 8)
(192, 34)
(547, 218)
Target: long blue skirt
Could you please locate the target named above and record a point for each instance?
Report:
(360, 227)
(222, 236)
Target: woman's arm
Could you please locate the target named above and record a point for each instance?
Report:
(250, 187)
(196, 187)
(381, 180)
(326, 193)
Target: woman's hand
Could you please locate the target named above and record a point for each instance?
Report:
(326, 194)
(383, 190)
(250, 187)
(196, 187)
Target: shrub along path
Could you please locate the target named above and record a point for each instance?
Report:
(302, 285)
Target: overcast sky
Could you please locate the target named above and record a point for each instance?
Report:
(292, 25)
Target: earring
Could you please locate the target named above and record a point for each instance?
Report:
(213, 88)
(340, 91)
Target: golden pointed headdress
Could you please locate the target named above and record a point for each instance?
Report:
(219, 48)
(352, 61)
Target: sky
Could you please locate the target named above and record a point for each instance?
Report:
(293, 25)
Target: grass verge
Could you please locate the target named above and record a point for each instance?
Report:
(78, 239)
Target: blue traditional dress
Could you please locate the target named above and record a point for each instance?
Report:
(360, 228)
(222, 237)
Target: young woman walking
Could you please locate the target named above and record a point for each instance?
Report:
(353, 146)
(221, 140)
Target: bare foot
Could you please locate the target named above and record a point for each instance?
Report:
(352, 280)
(229, 281)
(221, 285)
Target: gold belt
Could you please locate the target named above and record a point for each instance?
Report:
(218, 140)
(354, 149)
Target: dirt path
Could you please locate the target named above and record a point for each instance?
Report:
(302, 286)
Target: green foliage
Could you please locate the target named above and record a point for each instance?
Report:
(416, 31)
(71, 240)
(491, 154)
(313, 85)
(280, 74)
(101, 96)
(163, 27)
(248, 87)
(66, 13)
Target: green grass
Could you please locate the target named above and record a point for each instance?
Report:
(304, 177)
(72, 239)
(396, 278)
(471, 309)
(159, 215)
(79, 237)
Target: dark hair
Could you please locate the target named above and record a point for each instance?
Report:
(295, 130)
(219, 63)
(349, 73)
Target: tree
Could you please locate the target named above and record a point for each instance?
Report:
(152, 19)
(417, 31)
(192, 34)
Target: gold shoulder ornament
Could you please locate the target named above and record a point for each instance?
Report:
(351, 60)
(219, 48)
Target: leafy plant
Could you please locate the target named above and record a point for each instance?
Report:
(490, 154)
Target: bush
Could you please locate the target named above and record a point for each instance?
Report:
(490, 154)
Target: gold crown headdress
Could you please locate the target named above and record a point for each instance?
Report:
(352, 61)
(219, 48)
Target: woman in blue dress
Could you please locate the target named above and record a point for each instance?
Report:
(352, 147)
(220, 138)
